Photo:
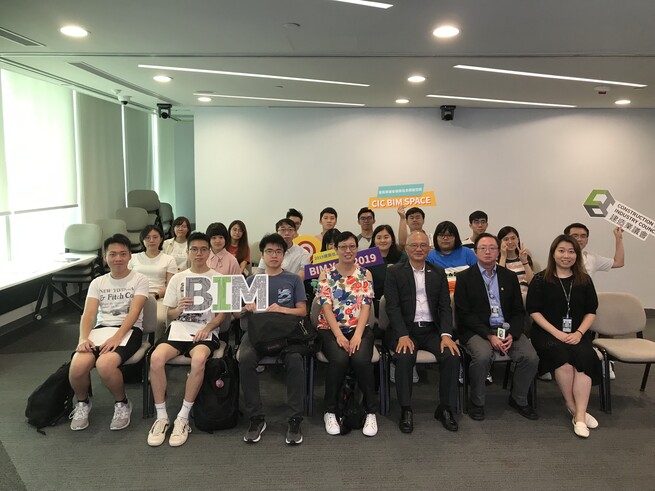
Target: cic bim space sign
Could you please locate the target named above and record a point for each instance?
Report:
(407, 195)
(225, 293)
(601, 204)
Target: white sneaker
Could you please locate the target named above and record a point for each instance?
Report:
(80, 416)
(121, 419)
(415, 376)
(260, 368)
(370, 425)
(180, 433)
(331, 424)
(157, 433)
(489, 379)
(547, 377)
(392, 373)
(612, 374)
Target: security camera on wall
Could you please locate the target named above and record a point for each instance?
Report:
(164, 110)
(447, 113)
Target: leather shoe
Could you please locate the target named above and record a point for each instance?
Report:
(476, 412)
(406, 424)
(525, 411)
(445, 415)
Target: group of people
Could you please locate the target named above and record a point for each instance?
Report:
(487, 275)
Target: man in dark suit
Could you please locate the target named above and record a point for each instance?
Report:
(490, 318)
(420, 317)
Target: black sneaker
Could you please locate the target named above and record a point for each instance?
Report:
(255, 430)
(294, 433)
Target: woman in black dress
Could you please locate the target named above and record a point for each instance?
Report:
(562, 302)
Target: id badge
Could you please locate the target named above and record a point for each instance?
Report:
(567, 325)
(500, 332)
(494, 311)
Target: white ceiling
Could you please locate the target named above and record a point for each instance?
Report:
(600, 39)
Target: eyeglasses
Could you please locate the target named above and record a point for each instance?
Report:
(366, 219)
(347, 248)
(196, 250)
(445, 236)
(579, 236)
(237, 230)
(152, 237)
(285, 230)
(274, 252)
(479, 221)
(487, 249)
(413, 247)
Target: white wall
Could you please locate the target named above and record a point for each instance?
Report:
(528, 168)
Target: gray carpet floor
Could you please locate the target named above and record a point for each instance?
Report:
(503, 452)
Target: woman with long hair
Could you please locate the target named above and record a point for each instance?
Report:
(514, 256)
(177, 246)
(239, 246)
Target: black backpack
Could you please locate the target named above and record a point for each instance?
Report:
(272, 333)
(51, 401)
(350, 406)
(217, 403)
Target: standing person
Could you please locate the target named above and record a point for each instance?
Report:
(478, 222)
(449, 253)
(328, 220)
(239, 246)
(220, 259)
(594, 262)
(414, 220)
(385, 240)
(199, 347)
(158, 267)
(296, 217)
(515, 256)
(490, 318)
(115, 299)
(562, 302)
(345, 291)
(420, 317)
(286, 294)
(176, 246)
(295, 257)
(366, 220)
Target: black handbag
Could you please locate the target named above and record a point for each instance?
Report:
(272, 333)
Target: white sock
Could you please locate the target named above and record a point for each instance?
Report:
(161, 411)
(186, 409)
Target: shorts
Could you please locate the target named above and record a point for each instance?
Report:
(125, 352)
(185, 346)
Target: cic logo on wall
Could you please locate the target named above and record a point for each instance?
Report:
(406, 195)
(601, 204)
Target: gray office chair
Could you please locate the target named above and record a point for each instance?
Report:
(146, 199)
(166, 217)
(135, 220)
(112, 226)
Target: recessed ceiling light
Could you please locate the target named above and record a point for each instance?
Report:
(255, 75)
(285, 100)
(547, 75)
(445, 32)
(204, 98)
(402, 101)
(501, 101)
(162, 78)
(416, 79)
(367, 3)
(74, 31)
(622, 102)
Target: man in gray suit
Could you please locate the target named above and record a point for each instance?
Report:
(420, 317)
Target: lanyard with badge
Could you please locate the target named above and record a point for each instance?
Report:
(493, 304)
(567, 322)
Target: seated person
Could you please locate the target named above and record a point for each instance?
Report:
(328, 220)
(295, 257)
(478, 222)
(449, 253)
(345, 291)
(158, 267)
(115, 299)
(490, 319)
(220, 260)
(329, 238)
(515, 257)
(286, 295)
(239, 246)
(199, 348)
(385, 240)
(177, 245)
(366, 220)
(412, 219)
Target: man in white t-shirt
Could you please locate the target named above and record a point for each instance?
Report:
(200, 346)
(593, 262)
(295, 258)
(114, 300)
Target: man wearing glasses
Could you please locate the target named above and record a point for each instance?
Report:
(478, 221)
(490, 318)
(286, 295)
(199, 347)
(295, 257)
(420, 317)
(366, 220)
